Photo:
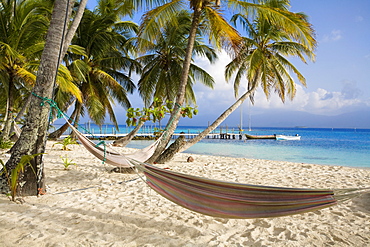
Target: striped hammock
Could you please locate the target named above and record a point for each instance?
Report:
(219, 198)
(112, 157)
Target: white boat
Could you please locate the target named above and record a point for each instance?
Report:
(289, 138)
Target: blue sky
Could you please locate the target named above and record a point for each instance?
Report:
(337, 82)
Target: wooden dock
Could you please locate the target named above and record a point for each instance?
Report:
(211, 136)
(231, 136)
(147, 132)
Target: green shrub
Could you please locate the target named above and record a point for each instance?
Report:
(5, 144)
(66, 141)
(67, 162)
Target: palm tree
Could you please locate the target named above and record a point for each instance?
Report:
(24, 24)
(220, 33)
(22, 40)
(162, 65)
(98, 72)
(33, 137)
(263, 58)
(104, 38)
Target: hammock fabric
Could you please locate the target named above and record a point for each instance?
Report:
(234, 200)
(226, 199)
(111, 157)
(17, 130)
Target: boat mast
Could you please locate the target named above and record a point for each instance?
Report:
(241, 116)
(249, 116)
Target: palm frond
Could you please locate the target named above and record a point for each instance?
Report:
(221, 33)
(202, 76)
(65, 83)
(155, 19)
(24, 75)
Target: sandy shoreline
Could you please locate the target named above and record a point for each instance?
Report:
(90, 206)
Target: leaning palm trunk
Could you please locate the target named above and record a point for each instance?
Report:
(175, 116)
(76, 120)
(219, 120)
(57, 133)
(73, 27)
(122, 142)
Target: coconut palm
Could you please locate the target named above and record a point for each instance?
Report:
(263, 59)
(100, 72)
(21, 42)
(104, 38)
(33, 137)
(23, 26)
(162, 65)
(220, 33)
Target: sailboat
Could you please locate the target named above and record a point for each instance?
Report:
(249, 117)
(250, 128)
(242, 135)
(260, 136)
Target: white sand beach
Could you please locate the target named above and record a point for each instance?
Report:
(90, 206)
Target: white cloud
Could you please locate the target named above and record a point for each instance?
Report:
(222, 94)
(334, 35)
(311, 100)
(320, 101)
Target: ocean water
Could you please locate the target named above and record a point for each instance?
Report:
(343, 147)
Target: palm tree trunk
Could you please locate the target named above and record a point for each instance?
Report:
(24, 108)
(33, 137)
(76, 22)
(219, 120)
(122, 142)
(175, 116)
(57, 133)
(5, 134)
(168, 154)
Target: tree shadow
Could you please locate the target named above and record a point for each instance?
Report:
(362, 203)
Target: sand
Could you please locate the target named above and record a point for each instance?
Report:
(88, 205)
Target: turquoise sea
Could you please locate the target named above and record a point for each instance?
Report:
(343, 147)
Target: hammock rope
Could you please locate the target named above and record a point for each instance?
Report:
(60, 114)
(114, 157)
